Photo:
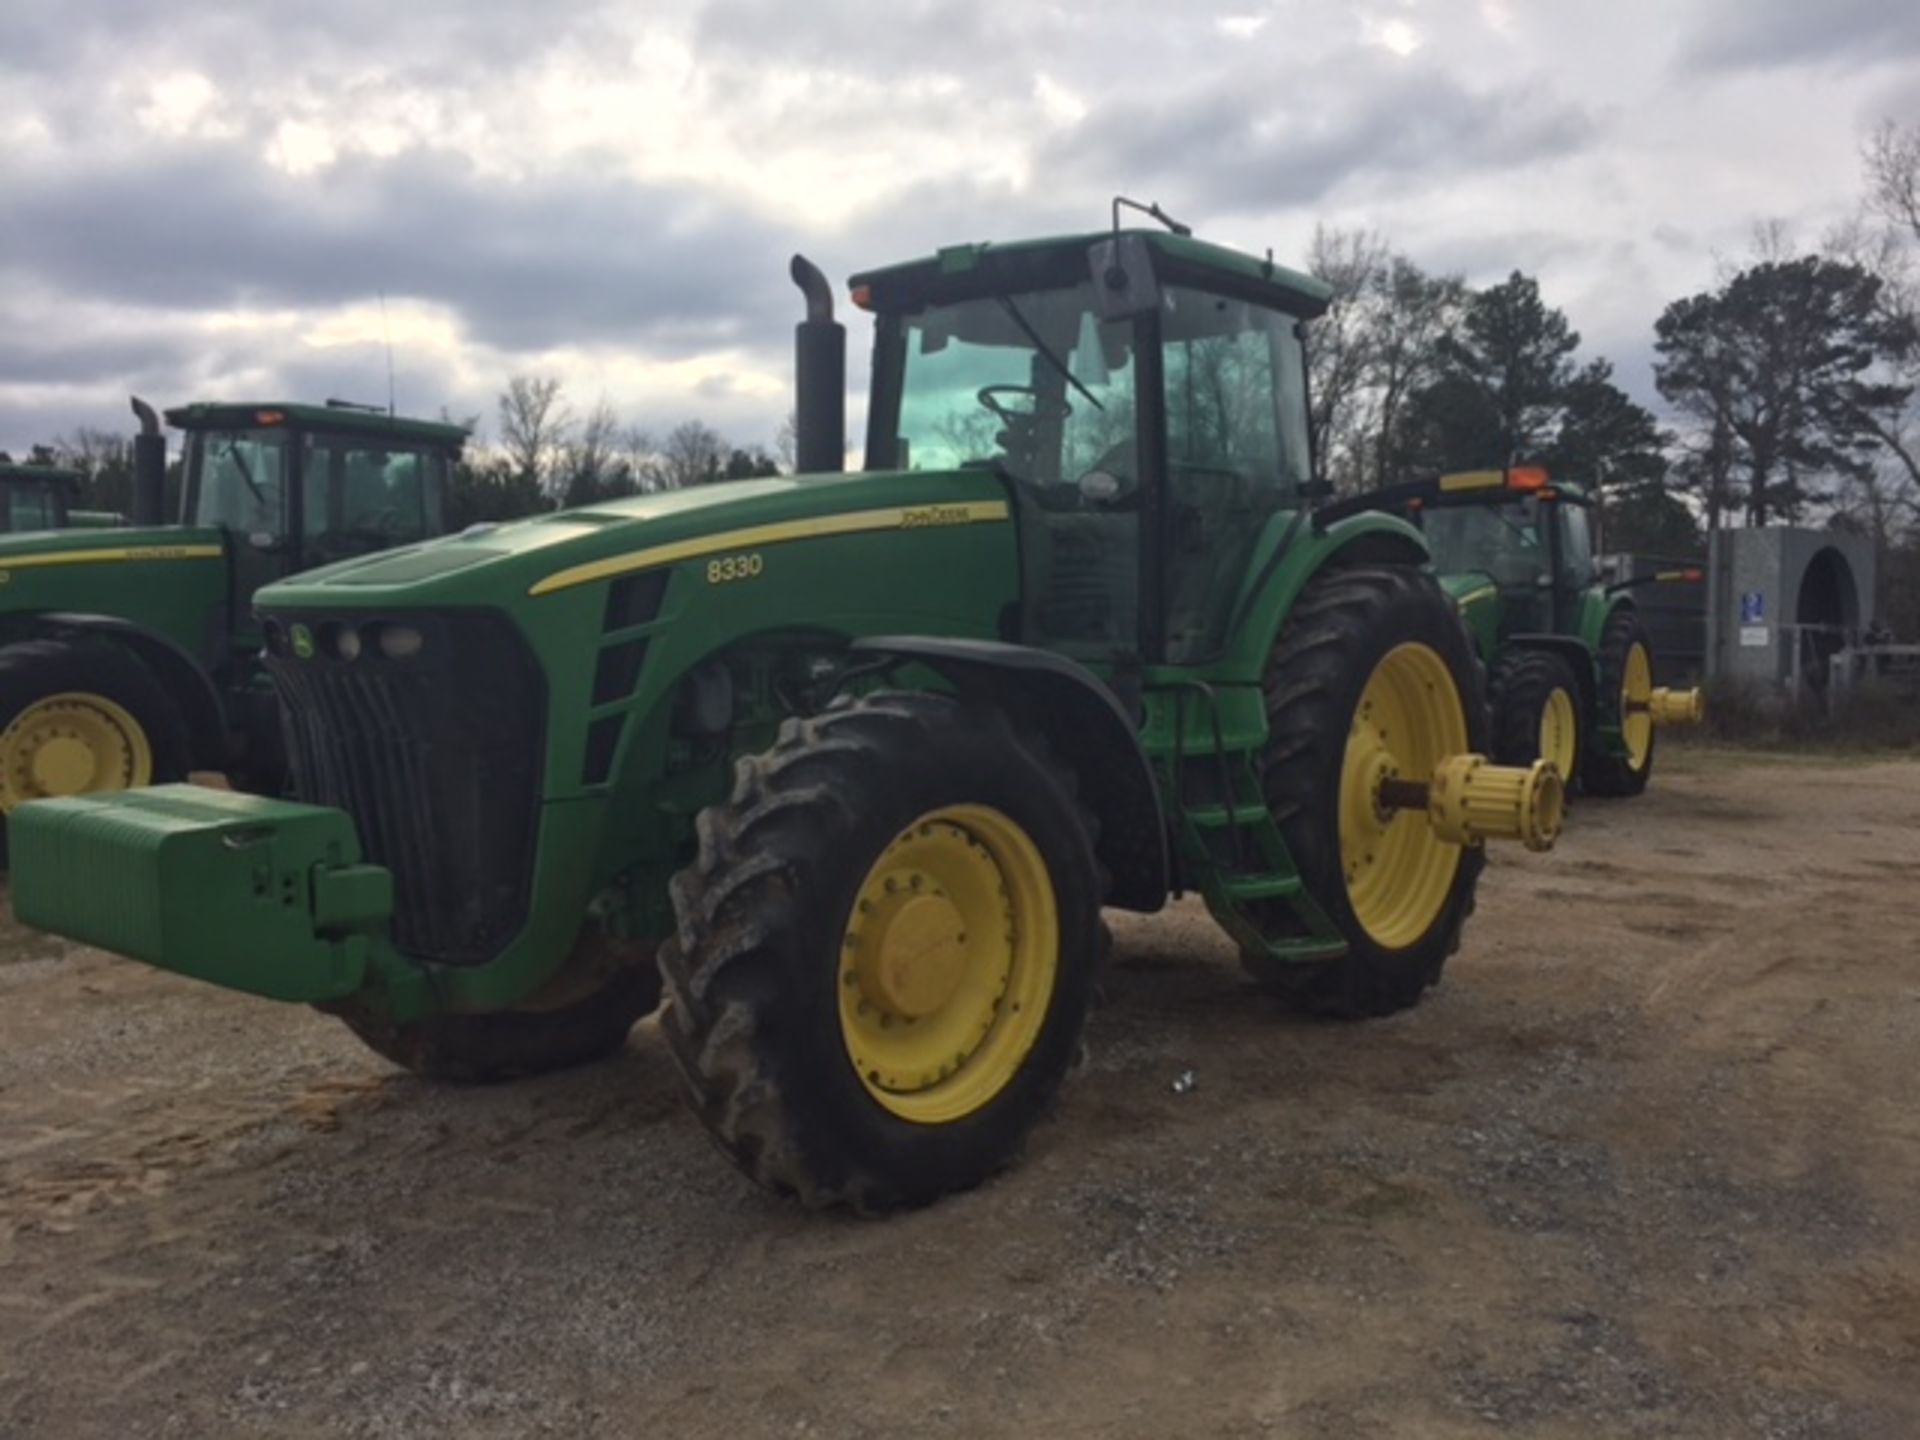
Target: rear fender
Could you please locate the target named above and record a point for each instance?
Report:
(1086, 727)
(191, 688)
(1368, 538)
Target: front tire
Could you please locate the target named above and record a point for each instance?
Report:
(80, 717)
(1537, 713)
(1626, 687)
(1373, 674)
(886, 951)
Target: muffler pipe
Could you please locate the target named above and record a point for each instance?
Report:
(149, 467)
(819, 376)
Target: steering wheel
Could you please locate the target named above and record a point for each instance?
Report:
(989, 396)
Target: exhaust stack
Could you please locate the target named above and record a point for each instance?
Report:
(149, 467)
(820, 377)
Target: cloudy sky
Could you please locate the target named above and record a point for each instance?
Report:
(206, 200)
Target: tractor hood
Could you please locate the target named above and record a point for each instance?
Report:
(62, 547)
(520, 560)
(59, 569)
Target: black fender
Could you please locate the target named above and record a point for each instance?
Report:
(1088, 729)
(1579, 659)
(191, 687)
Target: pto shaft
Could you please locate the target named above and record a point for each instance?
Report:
(1671, 707)
(1469, 801)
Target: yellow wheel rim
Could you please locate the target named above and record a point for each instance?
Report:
(1559, 737)
(1636, 694)
(1399, 873)
(73, 743)
(948, 964)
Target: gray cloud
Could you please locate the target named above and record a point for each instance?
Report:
(574, 255)
(1744, 34)
(1357, 118)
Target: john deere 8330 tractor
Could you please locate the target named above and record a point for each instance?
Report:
(852, 762)
(1572, 670)
(132, 656)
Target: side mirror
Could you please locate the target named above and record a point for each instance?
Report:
(1123, 281)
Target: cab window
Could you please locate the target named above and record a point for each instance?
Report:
(360, 495)
(1502, 541)
(1576, 547)
(1233, 375)
(237, 481)
(31, 507)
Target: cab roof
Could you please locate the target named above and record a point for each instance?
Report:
(11, 471)
(1056, 259)
(248, 415)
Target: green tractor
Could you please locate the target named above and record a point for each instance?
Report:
(851, 762)
(1572, 672)
(132, 657)
(34, 497)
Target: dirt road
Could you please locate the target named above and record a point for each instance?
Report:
(1647, 1164)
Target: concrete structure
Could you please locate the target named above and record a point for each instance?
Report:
(1781, 601)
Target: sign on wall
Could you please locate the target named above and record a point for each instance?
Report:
(1753, 607)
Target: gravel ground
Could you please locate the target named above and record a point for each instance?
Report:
(1648, 1164)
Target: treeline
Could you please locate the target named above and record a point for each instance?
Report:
(1793, 385)
(545, 456)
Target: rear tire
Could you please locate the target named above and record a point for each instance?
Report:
(58, 692)
(768, 1028)
(1534, 697)
(555, 1029)
(1602, 771)
(1345, 624)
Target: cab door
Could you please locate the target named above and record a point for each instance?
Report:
(1233, 401)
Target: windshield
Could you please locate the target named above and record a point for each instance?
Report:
(236, 479)
(1503, 540)
(1034, 383)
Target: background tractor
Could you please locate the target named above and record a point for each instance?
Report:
(131, 656)
(1571, 665)
(851, 762)
(34, 497)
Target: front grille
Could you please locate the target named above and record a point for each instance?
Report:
(438, 759)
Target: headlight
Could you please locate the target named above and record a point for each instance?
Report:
(399, 642)
(344, 642)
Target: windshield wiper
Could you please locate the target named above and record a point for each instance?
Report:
(1040, 345)
(246, 474)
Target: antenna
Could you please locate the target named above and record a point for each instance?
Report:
(386, 334)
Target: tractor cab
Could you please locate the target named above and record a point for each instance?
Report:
(301, 486)
(34, 497)
(1145, 404)
(1532, 540)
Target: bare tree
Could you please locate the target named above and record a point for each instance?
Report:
(1893, 175)
(1340, 355)
(641, 457)
(534, 424)
(592, 467)
(693, 454)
